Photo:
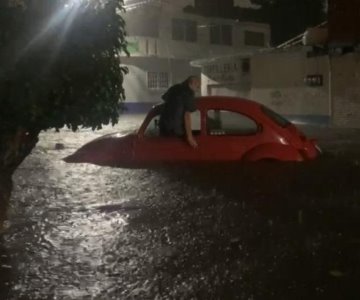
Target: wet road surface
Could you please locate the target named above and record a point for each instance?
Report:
(263, 231)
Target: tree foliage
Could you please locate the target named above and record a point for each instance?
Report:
(59, 66)
(289, 18)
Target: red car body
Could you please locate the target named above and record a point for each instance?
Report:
(228, 129)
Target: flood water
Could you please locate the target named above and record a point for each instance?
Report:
(257, 231)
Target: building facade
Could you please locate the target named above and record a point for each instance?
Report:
(293, 84)
(313, 78)
(306, 88)
(163, 41)
(323, 90)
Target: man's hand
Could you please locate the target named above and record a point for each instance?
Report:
(192, 142)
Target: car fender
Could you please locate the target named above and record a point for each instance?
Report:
(273, 151)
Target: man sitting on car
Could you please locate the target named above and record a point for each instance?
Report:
(175, 118)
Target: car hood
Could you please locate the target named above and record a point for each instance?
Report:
(112, 150)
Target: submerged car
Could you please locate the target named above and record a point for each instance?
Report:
(226, 129)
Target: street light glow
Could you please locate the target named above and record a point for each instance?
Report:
(72, 3)
(132, 4)
(63, 17)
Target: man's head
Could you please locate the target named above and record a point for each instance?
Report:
(194, 83)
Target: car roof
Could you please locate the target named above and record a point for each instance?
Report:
(213, 102)
(222, 102)
(226, 102)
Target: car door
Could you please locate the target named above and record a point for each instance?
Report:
(150, 147)
(229, 135)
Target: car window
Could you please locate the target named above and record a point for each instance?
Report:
(196, 122)
(223, 122)
(152, 130)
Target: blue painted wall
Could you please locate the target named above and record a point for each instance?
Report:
(138, 107)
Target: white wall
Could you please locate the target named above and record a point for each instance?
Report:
(345, 90)
(136, 81)
(278, 81)
(167, 47)
(224, 76)
(153, 49)
(275, 79)
(244, 3)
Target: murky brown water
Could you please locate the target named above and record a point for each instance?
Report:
(273, 231)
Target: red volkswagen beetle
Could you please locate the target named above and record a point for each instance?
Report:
(226, 129)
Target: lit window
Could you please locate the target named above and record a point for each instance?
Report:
(158, 80)
(253, 38)
(163, 80)
(152, 80)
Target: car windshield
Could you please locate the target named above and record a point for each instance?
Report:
(278, 119)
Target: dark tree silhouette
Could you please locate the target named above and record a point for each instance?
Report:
(59, 66)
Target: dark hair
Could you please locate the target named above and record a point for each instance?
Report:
(191, 79)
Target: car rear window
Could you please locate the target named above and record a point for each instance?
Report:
(278, 119)
(224, 122)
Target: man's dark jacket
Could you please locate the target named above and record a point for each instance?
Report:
(178, 100)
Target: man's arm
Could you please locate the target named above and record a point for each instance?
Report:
(189, 136)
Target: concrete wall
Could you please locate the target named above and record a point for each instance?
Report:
(278, 82)
(346, 90)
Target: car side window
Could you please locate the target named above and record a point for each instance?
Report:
(224, 122)
(196, 122)
(152, 130)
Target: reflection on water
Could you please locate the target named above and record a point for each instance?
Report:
(264, 231)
